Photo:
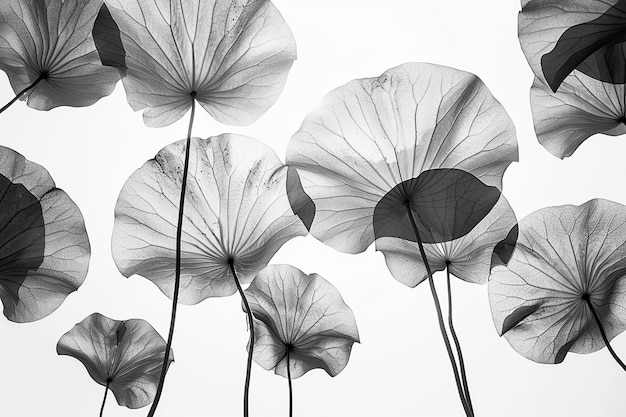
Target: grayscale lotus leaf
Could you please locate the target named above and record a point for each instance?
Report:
(125, 354)
(563, 255)
(52, 39)
(303, 314)
(468, 257)
(371, 135)
(232, 56)
(559, 36)
(236, 208)
(44, 248)
(581, 108)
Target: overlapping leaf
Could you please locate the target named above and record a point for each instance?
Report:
(371, 135)
(125, 355)
(469, 257)
(236, 209)
(51, 41)
(44, 249)
(232, 56)
(564, 255)
(303, 315)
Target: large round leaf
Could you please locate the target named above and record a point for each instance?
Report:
(303, 315)
(371, 135)
(44, 249)
(51, 40)
(236, 209)
(564, 256)
(469, 257)
(125, 355)
(232, 56)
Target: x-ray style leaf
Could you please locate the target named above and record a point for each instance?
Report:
(468, 257)
(300, 321)
(236, 210)
(369, 141)
(560, 36)
(123, 355)
(568, 266)
(49, 55)
(232, 56)
(44, 249)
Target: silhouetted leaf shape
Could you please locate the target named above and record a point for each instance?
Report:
(52, 39)
(581, 108)
(558, 36)
(445, 205)
(125, 354)
(470, 256)
(107, 38)
(370, 135)
(563, 253)
(44, 249)
(236, 207)
(233, 56)
(304, 314)
(301, 203)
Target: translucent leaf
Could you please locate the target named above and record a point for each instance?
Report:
(233, 56)
(558, 36)
(44, 249)
(52, 39)
(564, 255)
(580, 109)
(303, 314)
(125, 355)
(236, 208)
(470, 257)
(371, 135)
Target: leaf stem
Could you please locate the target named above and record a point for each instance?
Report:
(456, 342)
(603, 333)
(179, 232)
(289, 380)
(442, 328)
(246, 390)
(104, 400)
(24, 91)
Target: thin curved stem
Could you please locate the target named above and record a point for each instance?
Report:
(179, 232)
(442, 327)
(104, 400)
(21, 93)
(290, 389)
(246, 390)
(603, 333)
(459, 353)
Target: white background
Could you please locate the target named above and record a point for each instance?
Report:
(400, 368)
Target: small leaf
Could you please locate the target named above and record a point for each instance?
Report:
(564, 255)
(125, 355)
(301, 203)
(303, 314)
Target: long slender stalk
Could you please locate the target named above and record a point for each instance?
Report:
(442, 327)
(603, 333)
(246, 390)
(24, 91)
(459, 353)
(179, 232)
(290, 389)
(104, 400)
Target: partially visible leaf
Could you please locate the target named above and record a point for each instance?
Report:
(564, 255)
(232, 56)
(303, 314)
(236, 208)
(370, 135)
(301, 203)
(51, 40)
(44, 248)
(125, 355)
(468, 257)
(580, 109)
